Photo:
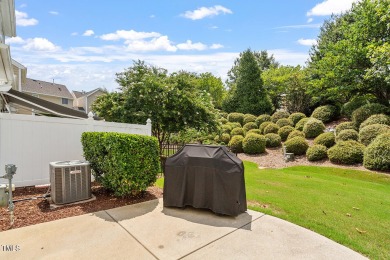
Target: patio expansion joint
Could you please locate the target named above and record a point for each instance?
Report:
(231, 232)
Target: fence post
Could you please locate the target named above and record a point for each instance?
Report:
(149, 125)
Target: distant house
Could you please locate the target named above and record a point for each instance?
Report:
(83, 100)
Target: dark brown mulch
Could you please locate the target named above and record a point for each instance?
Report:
(31, 212)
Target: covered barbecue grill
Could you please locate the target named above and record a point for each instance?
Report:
(204, 176)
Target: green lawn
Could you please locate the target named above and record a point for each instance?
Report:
(348, 206)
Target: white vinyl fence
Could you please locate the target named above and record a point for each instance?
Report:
(32, 142)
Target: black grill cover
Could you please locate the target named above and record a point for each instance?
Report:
(204, 176)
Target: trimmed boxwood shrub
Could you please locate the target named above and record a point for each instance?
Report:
(223, 120)
(234, 124)
(325, 139)
(368, 133)
(123, 163)
(254, 144)
(347, 134)
(295, 133)
(235, 144)
(297, 145)
(284, 122)
(364, 112)
(316, 152)
(377, 154)
(313, 128)
(295, 117)
(223, 114)
(263, 126)
(325, 113)
(263, 118)
(345, 125)
(278, 115)
(225, 138)
(348, 108)
(272, 140)
(249, 118)
(285, 131)
(236, 117)
(271, 128)
(217, 139)
(256, 131)
(346, 152)
(301, 123)
(249, 126)
(238, 131)
(226, 129)
(376, 119)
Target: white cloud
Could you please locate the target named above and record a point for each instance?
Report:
(88, 33)
(14, 40)
(288, 57)
(329, 7)
(54, 13)
(74, 33)
(161, 43)
(307, 42)
(188, 45)
(213, 27)
(216, 46)
(23, 20)
(310, 20)
(204, 12)
(152, 16)
(300, 26)
(128, 35)
(40, 44)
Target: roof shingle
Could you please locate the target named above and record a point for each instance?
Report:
(46, 88)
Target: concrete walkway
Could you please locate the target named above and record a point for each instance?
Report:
(149, 231)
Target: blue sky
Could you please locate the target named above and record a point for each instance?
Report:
(82, 44)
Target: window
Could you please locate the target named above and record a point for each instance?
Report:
(65, 101)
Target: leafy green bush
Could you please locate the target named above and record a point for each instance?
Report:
(295, 133)
(263, 126)
(376, 119)
(234, 124)
(223, 114)
(301, 123)
(284, 122)
(285, 131)
(346, 152)
(235, 144)
(377, 154)
(271, 128)
(256, 131)
(249, 118)
(316, 152)
(254, 144)
(313, 128)
(347, 134)
(225, 138)
(295, 117)
(296, 145)
(226, 129)
(123, 163)
(249, 126)
(272, 140)
(348, 108)
(238, 131)
(236, 117)
(325, 113)
(278, 115)
(345, 125)
(325, 139)
(263, 118)
(223, 121)
(364, 112)
(368, 133)
(217, 139)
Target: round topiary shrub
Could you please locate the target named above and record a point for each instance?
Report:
(263, 118)
(223, 114)
(313, 128)
(223, 121)
(271, 128)
(217, 139)
(348, 108)
(364, 112)
(249, 126)
(376, 119)
(256, 131)
(263, 126)
(377, 154)
(347, 134)
(316, 152)
(238, 131)
(235, 144)
(234, 124)
(249, 118)
(296, 145)
(236, 117)
(325, 113)
(325, 139)
(345, 125)
(279, 115)
(272, 140)
(368, 133)
(226, 129)
(295, 133)
(285, 131)
(295, 117)
(225, 138)
(346, 152)
(284, 122)
(301, 123)
(254, 144)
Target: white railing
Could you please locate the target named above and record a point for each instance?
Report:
(32, 142)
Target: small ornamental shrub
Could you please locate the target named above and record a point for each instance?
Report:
(296, 145)
(249, 126)
(263, 118)
(123, 163)
(295, 117)
(348, 108)
(295, 133)
(346, 152)
(313, 128)
(301, 123)
(345, 125)
(376, 119)
(272, 140)
(325, 139)
(223, 114)
(256, 131)
(285, 131)
(236, 117)
(271, 128)
(235, 144)
(238, 131)
(249, 118)
(223, 120)
(278, 115)
(254, 144)
(263, 125)
(377, 154)
(347, 134)
(225, 138)
(364, 112)
(284, 122)
(226, 129)
(316, 152)
(217, 139)
(368, 133)
(325, 113)
(234, 124)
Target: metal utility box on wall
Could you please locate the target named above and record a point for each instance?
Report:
(70, 181)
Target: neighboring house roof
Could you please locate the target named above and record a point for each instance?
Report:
(79, 94)
(46, 88)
